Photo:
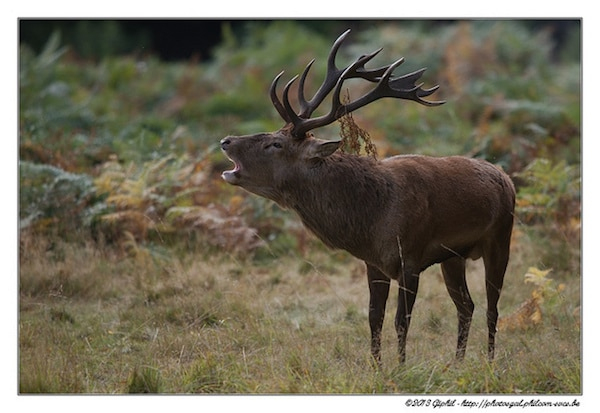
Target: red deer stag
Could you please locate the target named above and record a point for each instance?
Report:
(399, 215)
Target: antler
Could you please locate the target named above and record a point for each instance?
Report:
(402, 87)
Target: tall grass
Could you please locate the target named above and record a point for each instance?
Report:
(93, 322)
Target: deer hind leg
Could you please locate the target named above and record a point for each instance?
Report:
(379, 288)
(456, 284)
(407, 292)
(495, 257)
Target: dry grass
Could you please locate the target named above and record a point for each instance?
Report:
(95, 321)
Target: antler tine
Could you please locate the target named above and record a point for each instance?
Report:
(372, 75)
(304, 104)
(291, 114)
(394, 88)
(333, 73)
(276, 102)
(406, 83)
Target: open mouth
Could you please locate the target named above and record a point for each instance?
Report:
(232, 176)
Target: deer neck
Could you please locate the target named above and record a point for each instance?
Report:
(338, 199)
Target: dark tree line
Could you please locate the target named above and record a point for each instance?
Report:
(183, 39)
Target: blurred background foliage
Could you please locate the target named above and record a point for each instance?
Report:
(118, 139)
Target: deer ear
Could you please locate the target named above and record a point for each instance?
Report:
(323, 149)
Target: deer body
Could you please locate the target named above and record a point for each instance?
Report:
(399, 215)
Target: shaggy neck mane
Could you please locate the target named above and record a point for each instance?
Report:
(330, 196)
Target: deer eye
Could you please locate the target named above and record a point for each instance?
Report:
(274, 145)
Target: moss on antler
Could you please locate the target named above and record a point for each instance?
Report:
(354, 137)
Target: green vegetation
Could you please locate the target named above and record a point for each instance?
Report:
(140, 271)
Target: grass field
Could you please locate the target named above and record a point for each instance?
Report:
(92, 321)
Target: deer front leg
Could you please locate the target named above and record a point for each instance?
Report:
(379, 288)
(409, 284)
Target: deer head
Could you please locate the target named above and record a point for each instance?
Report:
(261, 158)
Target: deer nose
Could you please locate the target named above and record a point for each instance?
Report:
(225, 143)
